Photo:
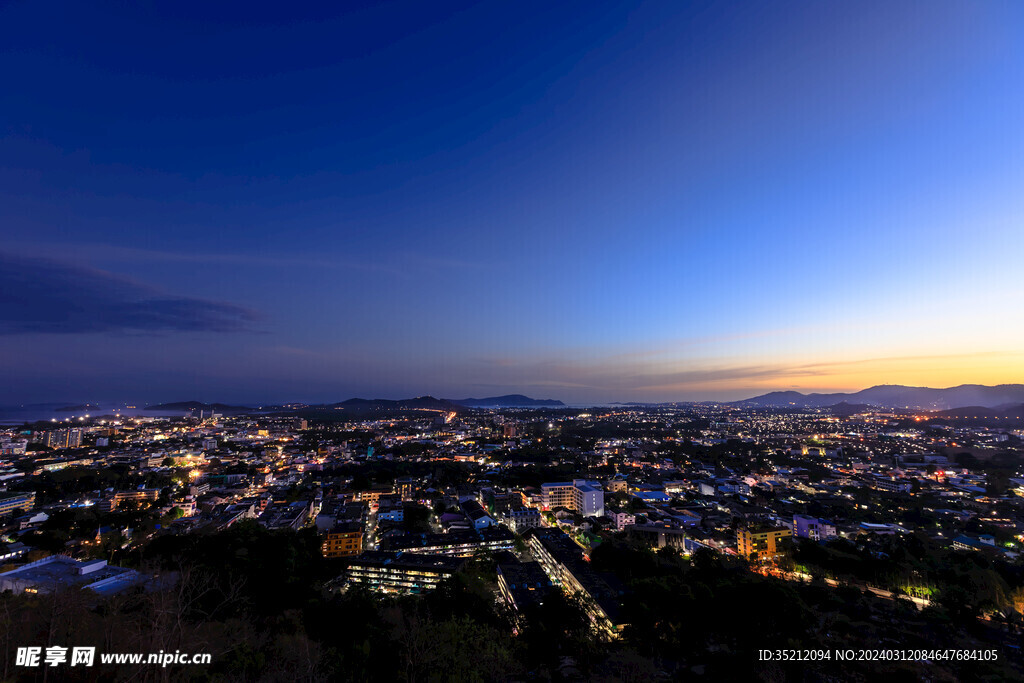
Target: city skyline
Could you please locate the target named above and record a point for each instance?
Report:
(595, 203)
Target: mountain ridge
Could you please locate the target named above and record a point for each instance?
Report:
(375, 404)
(508, 401)
(223, 408)
(899, 396)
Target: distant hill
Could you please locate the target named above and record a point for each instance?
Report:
(1003, 414)
(378, 404)
(186, 406)
(77, 408)
(509, 401)
(898, 396)
(367, 405)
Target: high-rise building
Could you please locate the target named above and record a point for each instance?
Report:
(578, 495)
(56, 439)
(63, 438)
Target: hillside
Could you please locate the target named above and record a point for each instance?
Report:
(898, 396)
(509, 401)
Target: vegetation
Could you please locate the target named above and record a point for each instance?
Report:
(266, 606)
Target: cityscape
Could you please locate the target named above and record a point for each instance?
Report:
(396, 539)
(477, 341)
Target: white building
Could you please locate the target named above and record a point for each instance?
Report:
(578, 495)
(622, 519)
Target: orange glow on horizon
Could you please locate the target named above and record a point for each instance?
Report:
(826, 376)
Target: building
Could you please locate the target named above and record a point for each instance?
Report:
(405, 487)
(522, 519)
(120, 497)
(983, 542)
(372, 496)
(344, 540)
(292, 516)
(390, 508)
(63, 438)
(616, 485)
(578, 495)
(761, 542)
(460, 543)
(14, 447)
(335, 512)
(225, 516)
(652, 497)
(622, 519)
(884, 529)
(476, 514)
(12, 551)
(562, 560)
(659, 536)
(891, 485)
(812, 528)
(20, 501)
(398, 572)
(59, 571)
(522, 584)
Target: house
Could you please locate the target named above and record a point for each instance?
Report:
(812, 528)
(476, 514)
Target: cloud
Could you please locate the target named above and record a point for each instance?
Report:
(50, 297)
(401, 264)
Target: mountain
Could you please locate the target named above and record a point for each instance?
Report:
(366, 405)
(80, 408)
(1004, 414)
(186, 406)
(509, 401)
(418, 403)
(898, 396)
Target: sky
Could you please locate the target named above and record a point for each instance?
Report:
(590, 201)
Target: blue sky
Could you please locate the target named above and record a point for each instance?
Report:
(588, 201)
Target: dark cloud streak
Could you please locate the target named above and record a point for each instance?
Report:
(40, 296)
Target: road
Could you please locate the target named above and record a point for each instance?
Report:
(920, 603)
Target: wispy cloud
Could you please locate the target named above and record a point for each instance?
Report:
(50, 297)
(107, 253)
(399, 264)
